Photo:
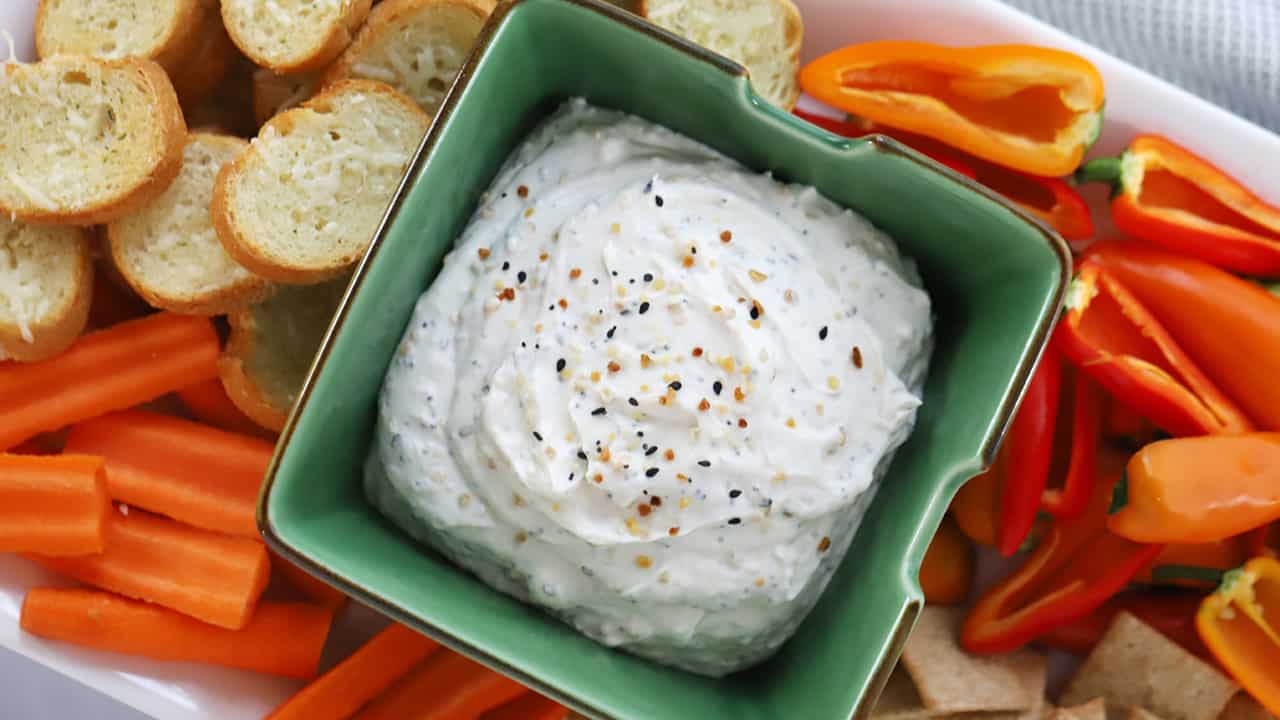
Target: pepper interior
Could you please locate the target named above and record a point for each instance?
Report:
(1006, 104)
(1163, 189)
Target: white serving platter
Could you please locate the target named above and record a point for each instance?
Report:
(1136, 102)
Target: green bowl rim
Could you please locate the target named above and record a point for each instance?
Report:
(879, 143)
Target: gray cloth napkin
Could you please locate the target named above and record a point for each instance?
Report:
(1226, 51)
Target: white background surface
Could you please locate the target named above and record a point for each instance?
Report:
(1135, 101)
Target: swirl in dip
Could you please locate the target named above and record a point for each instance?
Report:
(652, 391)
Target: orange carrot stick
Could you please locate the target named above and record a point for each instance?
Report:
(190, 472)
(208, 403)
(447, 686)
(314, 589)
(53, 504)
(211, 577)
(530, 707)
(346, 688)
(282, 639)
(108, 370)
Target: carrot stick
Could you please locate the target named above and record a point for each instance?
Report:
(108, 370)
(53, 504)
(211, 577)
(281, 639)
(208, 403)
(530, 707)
(447, 686)
(314, 589)
(190, 472)
(343, 690)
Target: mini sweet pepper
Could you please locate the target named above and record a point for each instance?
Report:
(1200, 489)
(1029, 108)
(1167, 195)
(1113, 338)
(1238, 623)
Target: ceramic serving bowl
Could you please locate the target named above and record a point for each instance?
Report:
(995, 275)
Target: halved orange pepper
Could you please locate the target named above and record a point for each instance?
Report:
(1200, 489)
(1228, 326)
(1029, 108)
(1112, 337)
(1169, 196)
(946, 574)
(1238, 623)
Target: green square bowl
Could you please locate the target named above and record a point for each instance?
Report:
(996, 278)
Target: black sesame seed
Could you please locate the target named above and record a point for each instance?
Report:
(657, 200)
(599, 411)
(822, 334)
(613, 273)
(506, 266)
(560, 365)
(609, 334)
(704, 463)
(582, 455)
(755, 311)
(717, 386)
(633, 402)
(648, 277)
(675, 385)
(734, 493)
(644, 307)
(735, 521)
(537, 436)
(521, 276)
(651, 450)
(651, 472)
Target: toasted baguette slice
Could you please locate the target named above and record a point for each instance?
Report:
(762, 35)
(46, 282)
(415, 46)
(292, 36)
(169, 253)
(271, 347)
(302, 203)
(85, 141)
(273, 94)
(177, 34)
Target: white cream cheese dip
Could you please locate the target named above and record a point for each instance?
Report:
(651, 391)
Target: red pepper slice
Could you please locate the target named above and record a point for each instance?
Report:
(1111, 336)
(1173, 614)
(1075, 568)
(844, 128)
(1030, 447)
(1169, 196)
(1052, 200)
(1082, 468)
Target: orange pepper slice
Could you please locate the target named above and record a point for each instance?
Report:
(1238, 623)
(1029, 108)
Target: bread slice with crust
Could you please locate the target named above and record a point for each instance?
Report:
(169, 252)
(292, 36)
(178, 34)
(85, 141)
(763, 35)
(303, 202)
(46, 283)
(415, 46)
(272, 345)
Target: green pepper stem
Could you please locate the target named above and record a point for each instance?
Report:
(1119, 494)
(1107, 170)
(1198, 573)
